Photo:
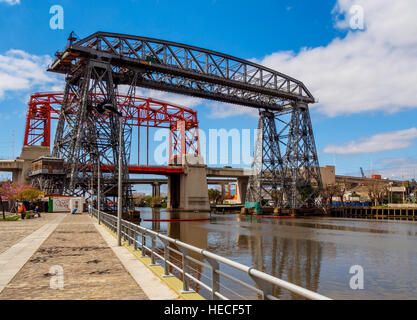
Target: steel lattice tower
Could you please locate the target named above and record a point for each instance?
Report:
(291, 180)
(265, 181)
(302, 177)
(87, 136)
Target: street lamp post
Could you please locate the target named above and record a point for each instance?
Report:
(108, 107)
(119, 201)
(98, 189)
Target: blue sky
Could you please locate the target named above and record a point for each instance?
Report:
(365, 80)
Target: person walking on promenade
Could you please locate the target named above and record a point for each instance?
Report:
(22, 211)
(37, 211)
(89, 209)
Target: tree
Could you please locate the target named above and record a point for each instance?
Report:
(342, 189)
(29, 194)
(3, 197)
(155, 202)
(139, 200)
(148, 200)
(328, 192)
(377, 192)
(8, 192)
(214, 195)
(12, 191)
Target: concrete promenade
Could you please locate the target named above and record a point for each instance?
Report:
(94, 268)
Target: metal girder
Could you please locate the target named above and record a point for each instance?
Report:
(185, 69)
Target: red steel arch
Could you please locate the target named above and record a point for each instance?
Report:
(137, 111)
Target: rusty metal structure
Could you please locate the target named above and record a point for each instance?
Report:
(102, 62)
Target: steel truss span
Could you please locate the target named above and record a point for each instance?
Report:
(136, 112)
(185, 69)
(103, 61)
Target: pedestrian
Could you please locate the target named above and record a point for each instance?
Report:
(89, 209)
(37, 211)
(22, 211)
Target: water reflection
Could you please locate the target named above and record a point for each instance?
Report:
(295, 260)
(315, 253)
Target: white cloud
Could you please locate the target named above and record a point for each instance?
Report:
(396, 162)
(21, 71)
(398, 168)
(11, 2)
(174, 98)
(377, 143)
(370, 70)
(177, 99)
(225, 110)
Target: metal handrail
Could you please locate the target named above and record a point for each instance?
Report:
(265, 282)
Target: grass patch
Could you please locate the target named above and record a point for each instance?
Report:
(13, 218)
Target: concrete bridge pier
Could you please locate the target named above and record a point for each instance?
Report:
(156, 189)
(223, 191)
(23, 164)
(189, 191)
(241, 187)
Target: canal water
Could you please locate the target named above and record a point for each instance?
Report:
(315, 253)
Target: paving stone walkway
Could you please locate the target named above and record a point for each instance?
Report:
(91, 269)
(11, 232)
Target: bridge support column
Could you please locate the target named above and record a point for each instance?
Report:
(156, 189)
(17, 176)
(241, 188)
(189, 191)
(28, 154)
(173, 192)
(222, 192)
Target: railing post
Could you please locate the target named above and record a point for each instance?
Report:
(129, 237)
(135, 239)
(143, 255)
(185, 280)
(265, 286)
(166, 258)
(215, 277)
(153, 247)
